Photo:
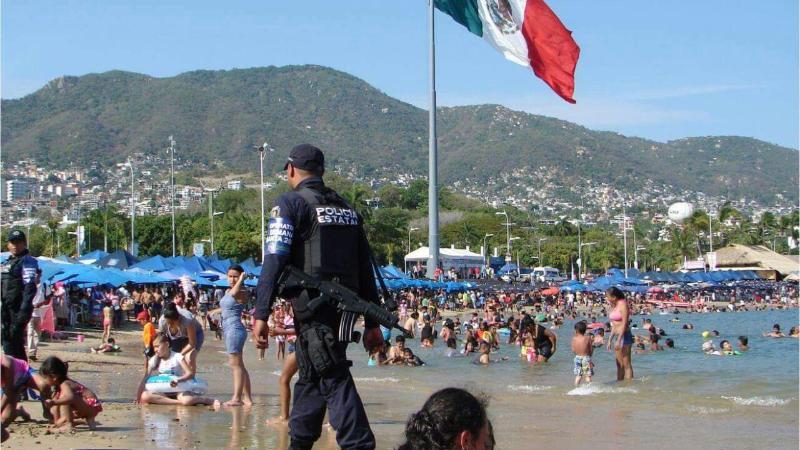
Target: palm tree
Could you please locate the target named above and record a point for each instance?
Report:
(52, 226)
(356, 197)
(564, 228)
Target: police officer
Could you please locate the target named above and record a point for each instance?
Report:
(18, 290)
(315, 230)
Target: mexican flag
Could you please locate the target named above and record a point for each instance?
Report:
(526, 32)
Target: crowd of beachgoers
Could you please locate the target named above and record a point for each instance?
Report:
(472, 325)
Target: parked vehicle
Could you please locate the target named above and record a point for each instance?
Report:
(547, 274)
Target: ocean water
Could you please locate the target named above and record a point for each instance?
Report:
(680, 398)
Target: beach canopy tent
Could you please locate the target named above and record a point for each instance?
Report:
(119, 259)
(67, 259)
(508, 268)
(196, 264)
(221, 265)
(92, 257)
(90, 276)
(155, 263)
(573, 286)
(391, 272)
(448, 257)
(138, 276)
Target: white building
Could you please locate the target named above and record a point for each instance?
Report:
(235, 185)
(16, 190)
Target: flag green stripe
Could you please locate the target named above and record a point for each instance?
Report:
(464, 12)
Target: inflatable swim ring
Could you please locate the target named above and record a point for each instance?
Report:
(160, 384)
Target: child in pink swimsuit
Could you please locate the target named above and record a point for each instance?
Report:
(71, 400)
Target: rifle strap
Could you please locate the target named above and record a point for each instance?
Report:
(377, 270)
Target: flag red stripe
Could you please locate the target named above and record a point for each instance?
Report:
(552, 51)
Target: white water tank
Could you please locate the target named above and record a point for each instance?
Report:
(678, 212)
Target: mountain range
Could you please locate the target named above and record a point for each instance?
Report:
(218, 116)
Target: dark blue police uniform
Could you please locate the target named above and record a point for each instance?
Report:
(314, 229)
(18, 286)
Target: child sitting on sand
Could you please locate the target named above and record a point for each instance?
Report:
(109, 347)
(167, 361)
(71, 400)
(582, 347)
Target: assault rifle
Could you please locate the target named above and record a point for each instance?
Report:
(334, 294)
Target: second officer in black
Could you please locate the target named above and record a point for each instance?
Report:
(315, 230)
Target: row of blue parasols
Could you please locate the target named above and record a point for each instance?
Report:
(640, 282)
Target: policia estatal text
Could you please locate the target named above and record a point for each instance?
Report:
(313, 229)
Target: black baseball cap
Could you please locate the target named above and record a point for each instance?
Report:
(16, 235)
(306, 157)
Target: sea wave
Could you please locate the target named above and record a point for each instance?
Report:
(377, 380)
(594, 389)
(528, 388)
(759, 401)
(704, 410)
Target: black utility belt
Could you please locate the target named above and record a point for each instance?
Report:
(319, 352)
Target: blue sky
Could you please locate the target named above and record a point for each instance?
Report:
(651, 68)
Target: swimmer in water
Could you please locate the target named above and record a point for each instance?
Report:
(484, 358)
(726, 348)
(708, 348)
(776, 332)
(794, 332)
(743, 344)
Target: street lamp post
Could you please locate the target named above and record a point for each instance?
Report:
(580, 261)
(78, 230)
(636, 249)
(215, 214)
(539, 247)
(625, 237)
(410, 229)
(211, 213)
(508, 233)
(515, 238)
(486, 250)
(261, 155)
(581, 264)
(133, 208)
(172, 188)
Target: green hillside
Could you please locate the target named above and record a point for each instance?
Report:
(217, 116)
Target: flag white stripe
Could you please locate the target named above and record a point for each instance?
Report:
(504, 32)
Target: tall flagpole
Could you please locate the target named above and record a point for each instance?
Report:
(433, 179)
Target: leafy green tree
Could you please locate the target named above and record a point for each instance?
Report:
(416, 194)
(390, 196)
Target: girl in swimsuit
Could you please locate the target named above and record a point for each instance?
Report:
(620, 318)
(71, 400)
(108, 312)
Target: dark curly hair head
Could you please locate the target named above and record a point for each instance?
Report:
(442, 418)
